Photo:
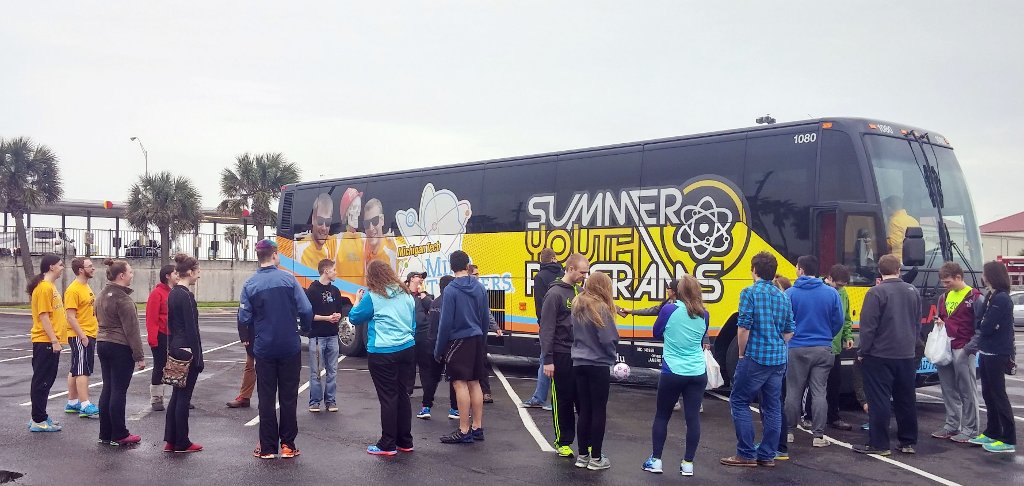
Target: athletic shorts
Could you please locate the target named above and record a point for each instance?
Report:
(82, 357)
(465, 359)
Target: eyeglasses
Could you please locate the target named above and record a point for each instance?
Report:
(374, 221)
(321, 221)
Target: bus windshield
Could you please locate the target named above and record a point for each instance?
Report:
(905, 200)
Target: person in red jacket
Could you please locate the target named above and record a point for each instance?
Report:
(958, 309)
(156, 332)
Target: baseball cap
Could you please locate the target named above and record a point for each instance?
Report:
(414, 274)
(673, 284)
(266, 245)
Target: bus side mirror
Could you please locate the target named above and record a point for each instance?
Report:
(913, 248)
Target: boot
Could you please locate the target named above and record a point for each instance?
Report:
(157, 400)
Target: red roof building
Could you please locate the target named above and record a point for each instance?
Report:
(1010, 224)
(1003, 237)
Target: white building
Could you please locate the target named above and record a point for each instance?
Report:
(1003, 237)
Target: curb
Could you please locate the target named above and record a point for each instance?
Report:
(215, 311)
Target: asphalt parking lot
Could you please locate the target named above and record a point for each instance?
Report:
(333, 445)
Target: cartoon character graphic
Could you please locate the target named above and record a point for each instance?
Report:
(439, 224)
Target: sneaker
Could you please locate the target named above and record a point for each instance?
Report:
(168, 447)
(69, 408)
(866, 449)
(1000, 447)
(259, 454)
(981, 440)
(865, 426)
(377, 451)
(488, 398)
(192, 448)
(960, 438)
(677, 407)
(406, 449)
(943, 434)
(531, 403)
(547, 407)
(91, 411)
(653, 465)
(908, 449)
(457, 437)
(130, 439)
(782, 456)
(820, 442)
(806, 424)
(48, 426)
(840, 425)
(314, 407)
(478, 434)
(424, 413)
(453, 414)
(686, 468)
(287, 452)
(332, 407)
(738, 461)
(564, 451)
(789, 438)
(582, 461)
(599, 463)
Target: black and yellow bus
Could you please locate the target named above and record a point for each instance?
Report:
(647, 211)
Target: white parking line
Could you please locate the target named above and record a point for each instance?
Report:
(302, 388)
(150, 368)
(528, 422)
(14, 336)
(980, 407)
(908, 467)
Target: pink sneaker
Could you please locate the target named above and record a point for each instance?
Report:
(131, 439)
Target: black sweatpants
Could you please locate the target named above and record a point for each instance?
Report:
(430, 375)
(116, 365)
(993, 389)
(277, 380)
(884, 379)
(835, 384)
(592, 387)
(159, 359)
(44, 373)
(670, 387)
(563, 400)
(176, 421)
(390, 372)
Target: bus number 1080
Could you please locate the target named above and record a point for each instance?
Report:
(805, 138)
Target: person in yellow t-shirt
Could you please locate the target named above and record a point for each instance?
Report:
(321, 244)
(79, 302)
(899, 221)
(48, 328)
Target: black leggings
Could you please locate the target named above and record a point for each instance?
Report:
(993, 390)
(592, 385)
(117, 366)
(670, 387)
(159, 359)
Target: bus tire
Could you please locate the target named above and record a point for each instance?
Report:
(352, 340)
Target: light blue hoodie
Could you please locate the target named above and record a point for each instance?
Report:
(391, 319)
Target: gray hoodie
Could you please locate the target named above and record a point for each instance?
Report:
(594, 345)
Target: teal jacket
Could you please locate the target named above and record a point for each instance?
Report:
(391, 320)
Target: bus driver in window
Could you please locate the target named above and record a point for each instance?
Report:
(899, 221)
(321, 244)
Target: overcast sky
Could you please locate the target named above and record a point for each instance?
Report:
(347, 88)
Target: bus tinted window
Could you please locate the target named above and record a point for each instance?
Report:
(466, 185)
(508, 191)
(668, 164)
(839, 176)
(383, 198)
(596, 171)
(779, 184)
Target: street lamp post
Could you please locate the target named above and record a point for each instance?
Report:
(145, 154)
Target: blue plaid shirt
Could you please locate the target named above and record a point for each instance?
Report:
(767, 313)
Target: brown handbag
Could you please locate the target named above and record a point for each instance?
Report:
(176, 371)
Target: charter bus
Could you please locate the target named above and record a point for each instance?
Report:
(645, 212)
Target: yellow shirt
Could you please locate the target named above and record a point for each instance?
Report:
(46, 300)
(898, 224)
(79, 297)
(349, 265)
(312, 255)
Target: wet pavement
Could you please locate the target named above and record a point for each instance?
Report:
(333, 444)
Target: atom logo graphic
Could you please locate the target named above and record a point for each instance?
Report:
(706, 229)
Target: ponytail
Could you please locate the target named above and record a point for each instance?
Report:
(49, 260)
(183, 264)
(115, 268)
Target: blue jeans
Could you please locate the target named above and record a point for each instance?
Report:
(542, 394)
(323, 354)
(753, 379)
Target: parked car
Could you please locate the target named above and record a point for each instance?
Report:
(49, 240)
(1018, 308)
(151, 249)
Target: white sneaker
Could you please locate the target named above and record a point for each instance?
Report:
(820, 442)
(582, 461)
(599, 463)
(653, 465)
(686, 468)
(789, 438)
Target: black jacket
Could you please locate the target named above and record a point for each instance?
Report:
(555, 322)
(424, 303)
(996, 328)
(433, 320)
(890, 320)
(183, 325)
(548, 274)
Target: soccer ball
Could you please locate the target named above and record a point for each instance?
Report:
(620, 371)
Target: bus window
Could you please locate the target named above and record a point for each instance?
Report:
(508, 191)
(591, 172)
(839, 176)
(860, 248)
(779, 184)
(673, 164)
(465, 185)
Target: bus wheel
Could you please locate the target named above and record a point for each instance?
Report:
(352, 339)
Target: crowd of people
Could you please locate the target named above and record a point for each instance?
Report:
(789, 340)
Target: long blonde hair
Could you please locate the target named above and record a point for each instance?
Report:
(595, 301)
(691, 296)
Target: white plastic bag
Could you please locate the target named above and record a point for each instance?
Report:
(938, 349)
(715, 379)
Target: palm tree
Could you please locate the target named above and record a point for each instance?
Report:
(254, 184)
(29, 178)
(170, 203)
(234, 234)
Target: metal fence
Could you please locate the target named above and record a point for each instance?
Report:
(127, 243)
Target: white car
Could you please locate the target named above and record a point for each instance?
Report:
(1018, 308)
(49, 240)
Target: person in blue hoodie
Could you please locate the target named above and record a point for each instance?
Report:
(461, 347)
(270, 304)
(390, 312)
(818, 315)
